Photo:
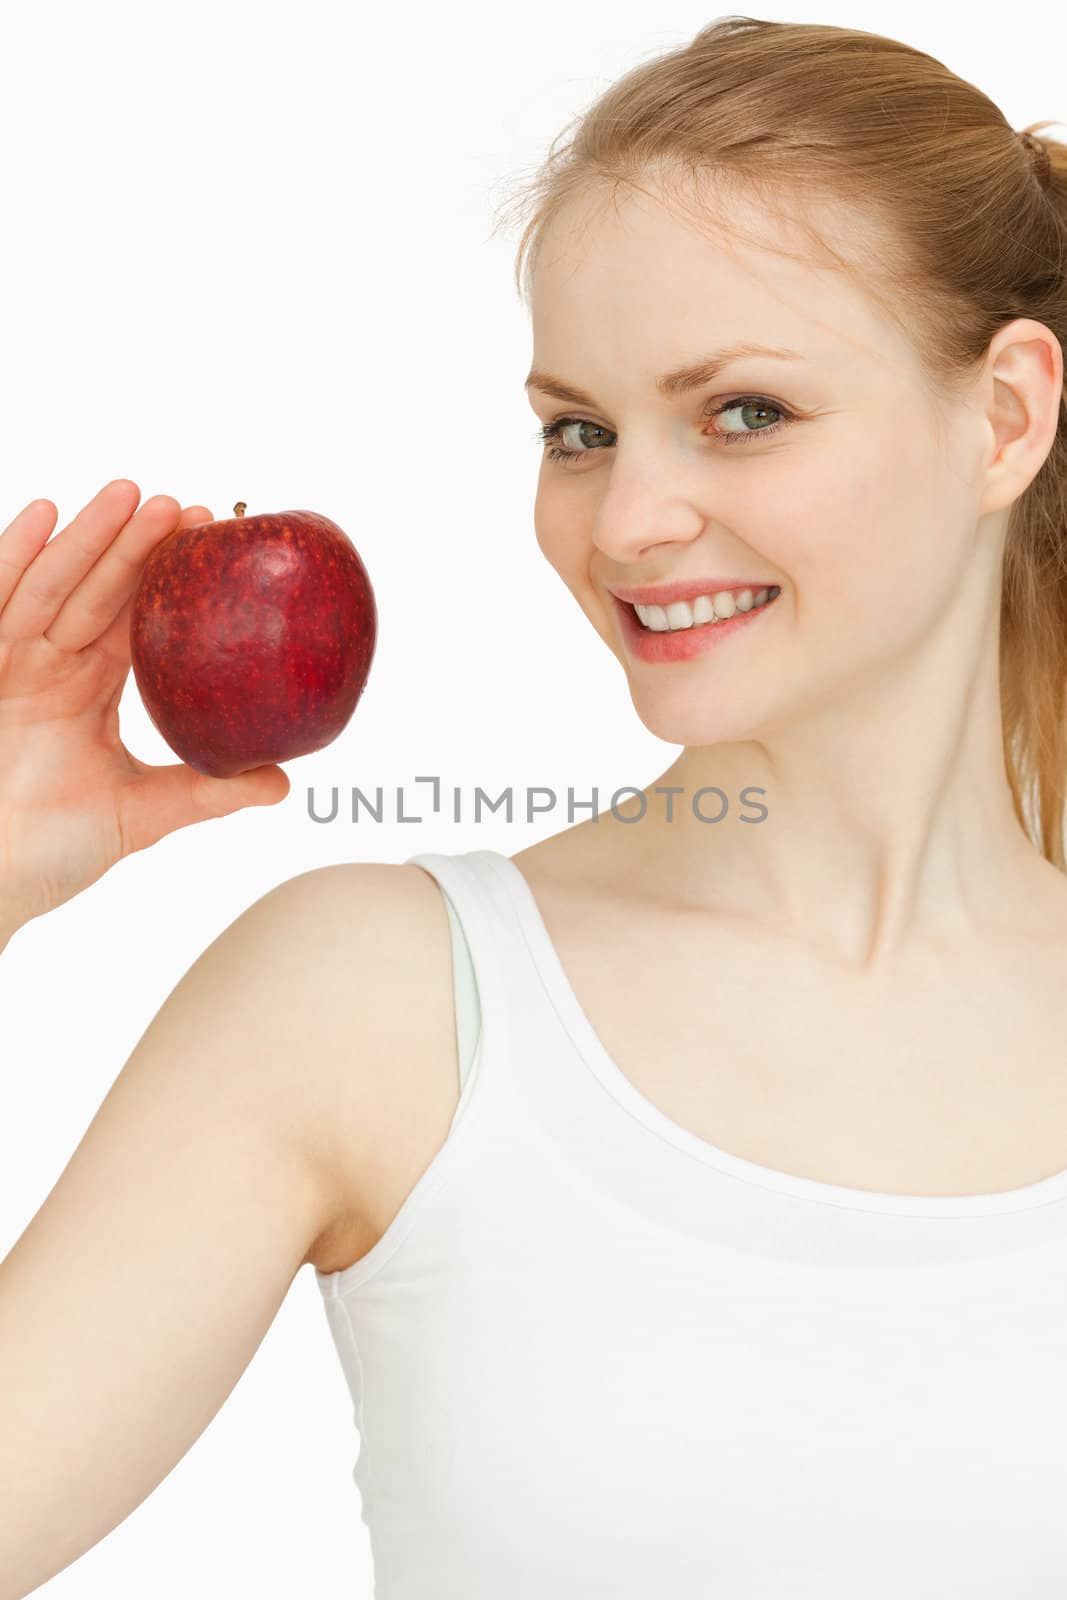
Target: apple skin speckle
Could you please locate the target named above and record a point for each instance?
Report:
(251, 639)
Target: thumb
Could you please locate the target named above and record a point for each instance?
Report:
(260, 786)
(162, 799)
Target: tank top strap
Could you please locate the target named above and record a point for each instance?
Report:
(471, 884)
(505, 983)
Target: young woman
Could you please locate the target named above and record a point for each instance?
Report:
(702, 1228)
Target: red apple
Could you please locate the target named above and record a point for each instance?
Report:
(251, 639)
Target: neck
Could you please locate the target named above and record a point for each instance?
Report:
(889, 820)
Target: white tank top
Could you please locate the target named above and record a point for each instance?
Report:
(595, 1356)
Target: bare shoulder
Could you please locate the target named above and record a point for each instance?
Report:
(376, 1080)
(353, 900)
(218, 1160)
(583, 866)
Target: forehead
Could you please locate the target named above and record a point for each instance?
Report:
(648, 280)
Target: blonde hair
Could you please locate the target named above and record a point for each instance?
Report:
(968, 232)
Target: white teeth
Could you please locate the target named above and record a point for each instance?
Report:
(704, 608)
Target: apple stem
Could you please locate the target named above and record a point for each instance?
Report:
(240, 508)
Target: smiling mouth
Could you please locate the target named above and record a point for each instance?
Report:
(682, 616)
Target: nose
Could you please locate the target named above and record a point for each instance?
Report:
(644, 505)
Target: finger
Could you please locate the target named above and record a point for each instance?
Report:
(114, 642)
(160, 799)
(90, 607)
(21, 541)
(64, 560)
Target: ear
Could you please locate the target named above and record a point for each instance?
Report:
(1024, 382)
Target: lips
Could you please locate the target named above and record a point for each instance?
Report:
(686, 589)
(659, 646)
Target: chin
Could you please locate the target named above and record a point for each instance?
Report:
(693, 724)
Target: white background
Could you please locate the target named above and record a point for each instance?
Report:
(246, 256)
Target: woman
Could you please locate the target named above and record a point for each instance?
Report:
(733, 1257)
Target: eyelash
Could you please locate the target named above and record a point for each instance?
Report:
(552, 430)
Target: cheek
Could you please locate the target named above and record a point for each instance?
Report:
(565, 544)
(872, 524)
(558, 531)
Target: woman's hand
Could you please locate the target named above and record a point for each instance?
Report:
(73, 800)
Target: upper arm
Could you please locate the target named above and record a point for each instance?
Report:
(143, 1286)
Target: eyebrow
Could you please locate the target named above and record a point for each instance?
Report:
(683, 380)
